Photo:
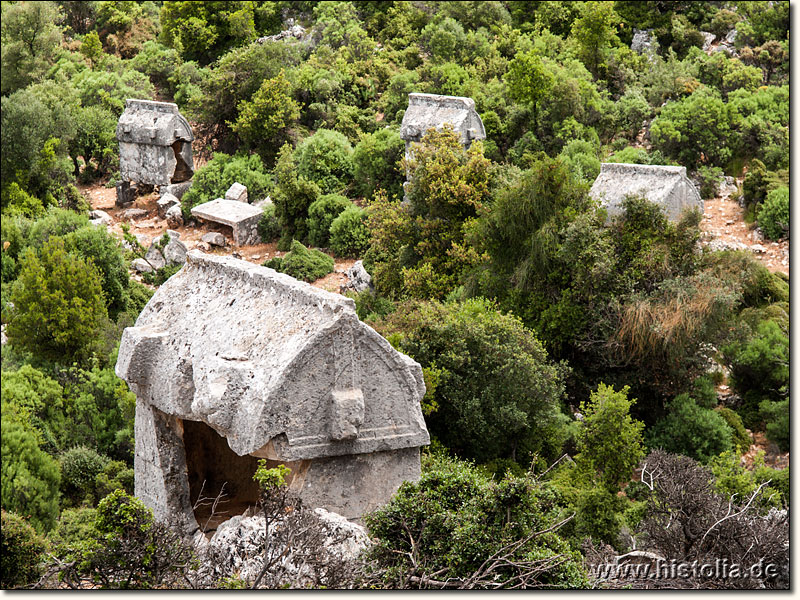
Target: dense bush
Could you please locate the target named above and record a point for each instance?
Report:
(688, 429)
(326, 159)
(23, 550)
(59, 308)
(349, 235)
(321, 214)
(307, 264)
(30, 477)
(773, 215)
(710, 178)
(80, 466)
(445, 526)
(38, 402)
(293, 196)
(498, 395)
(741, 439)
(220, 173)
(376, 163)
(269, 229)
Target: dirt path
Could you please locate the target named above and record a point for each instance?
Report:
(724, 227)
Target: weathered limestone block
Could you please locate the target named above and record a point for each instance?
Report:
(140, 265)
(174, 216)
(358, 279)
(241, 217)
(155, 257)
(165, 202)
(237, 192)
(175, 252)
(101, 216)
(214, 238)
(155, 143)
(177, 189)
(255, 364)
(665, 186)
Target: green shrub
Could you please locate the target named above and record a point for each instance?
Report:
(221, 172)
(498, 396)
(59, 309)
(710, 178)
(30, 477)
(776, 416)
(38, 402)
(116, 475)
(349, 233)
(326, 159)
(731, 477)
(688, 429)
(597, 515)
(581, 157)
(376, 163)
(292, 197)
(307, 264)
(454, 518)
(741, 439)
(638, 156)
(269, 229)
(23, 550)
(80, 466)
(759, 369)
(321, 214)
(371, 306)
(74, 529)
(608, 438)
(159, 276)
(773, 215)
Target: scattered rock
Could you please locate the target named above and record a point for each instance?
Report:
(236, 192)
(214, 238)
(154, 256)
(140, 265)
(166, 202)
(176, 189)
(708, 39)
(294, 32)
(758, 248)
(175, 252)
(101, 216)
(358, 279)
(131, 214)
(175, 216)
(175, 235)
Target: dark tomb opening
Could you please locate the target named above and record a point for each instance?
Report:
(182, 170)
(216, 470)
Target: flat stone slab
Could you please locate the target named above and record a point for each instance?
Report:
(241, 217)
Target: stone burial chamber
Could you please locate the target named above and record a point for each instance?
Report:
(155, 147)
(233, 362)
(666, 186)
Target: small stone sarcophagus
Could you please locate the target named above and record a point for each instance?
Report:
(155, 143)
(232, 362)
(429, 111)
(666, 186)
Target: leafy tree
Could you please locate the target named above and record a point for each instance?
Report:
(30, 38)
(594, 31)
(530, 81)
(92, 49)
(696, 129)
(95, 142)
(498, 396)
(204, 31)
(293, 195)
(609, 439)
(688, 429)
(326, 159)
(59, 308)
(30, 477)
(264, 120)
(419, 249)
(79, 468)
(443, 38)
(376, 163)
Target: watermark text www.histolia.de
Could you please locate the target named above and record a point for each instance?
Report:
(720, 569)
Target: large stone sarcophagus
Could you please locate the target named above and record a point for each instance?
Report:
(232, 362)
(155, 143)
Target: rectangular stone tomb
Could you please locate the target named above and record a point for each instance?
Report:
(241, 217)
(232, 363)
